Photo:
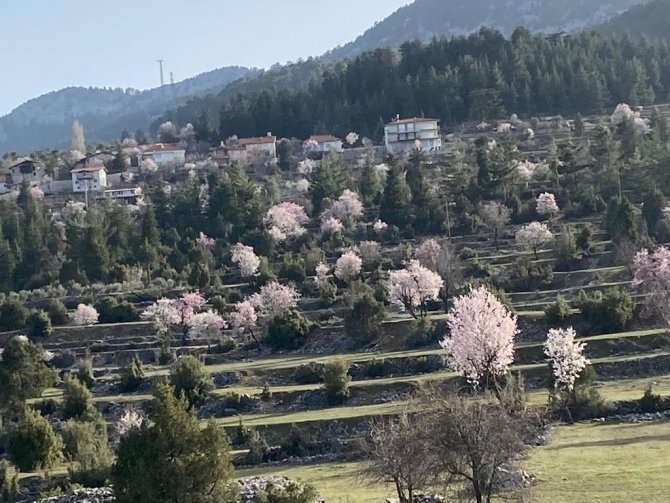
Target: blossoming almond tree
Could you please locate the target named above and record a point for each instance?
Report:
(205, 325)
(244, 320)
(346, 209)
(331, 225)
(162, 315)
(566, 357)
(413, 287)
(348, 267)
(495, 216)
(186, 307)
(246, 260)
(273, 300)
(652, 275)
(546, 204)
(481, 342)
(85, 315)
(286, 220)
(533, 236)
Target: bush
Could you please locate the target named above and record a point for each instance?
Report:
(46, 407)
(293, 269)
(293, 493)
(86, 446)
(64, 360)
(9, 484)
(651, 402)
(608, 312)
(38, 325)
(336, 381)
(258, 448)
(58, 313)
(584, 402)
(76, 398)
(557, 313)
(583, 240)
(298, 443)
(132, 375)
(32, 444)
(112, 311)
(363, 318)
(189, 377)
(13, 315)
(288, 331)
(219, 304)
(423, 334)
(310, 373)
(85, 372)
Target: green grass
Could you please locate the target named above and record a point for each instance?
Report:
(336, 482)
(603, 463)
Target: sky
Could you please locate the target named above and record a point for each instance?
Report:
(47, 45)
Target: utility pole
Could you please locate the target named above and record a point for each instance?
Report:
(160, 64)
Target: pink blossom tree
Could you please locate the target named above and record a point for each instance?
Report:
(348, 267)
(85, 315)
(443, 260)
(652, 275)
(205, 325)
(286, 220)
(246, 260)
(566, 357)
(273, 300)
(481, 341)
(413, 287)
(346, 209)
(244, 320)
(162, 315)
(186, 307)
(495, 216)
(546, 204)
(331, 225)
(533, 236)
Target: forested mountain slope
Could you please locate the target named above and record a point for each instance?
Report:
(648, 20)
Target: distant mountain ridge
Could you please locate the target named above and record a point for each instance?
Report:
(44, 122)
(648, 20)
(425, 19)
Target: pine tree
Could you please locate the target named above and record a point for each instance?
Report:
(394, 208)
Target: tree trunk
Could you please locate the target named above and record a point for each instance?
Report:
(258, 344)
(495, 238)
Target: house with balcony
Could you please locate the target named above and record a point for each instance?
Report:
(124, 195)
(89, 179)
(165, 154)
(402, 136)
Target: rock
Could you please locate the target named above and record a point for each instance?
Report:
(93, 495)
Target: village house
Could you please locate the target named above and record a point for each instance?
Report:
(26, 170)
(401, 135)
(165, 154)
(246, 150)
(322, 144)
(89, 179)
(124, 195)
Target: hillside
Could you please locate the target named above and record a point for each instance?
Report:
(44, 122)
(648, 20)
(425, 19)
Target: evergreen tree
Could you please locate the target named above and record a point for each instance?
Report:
(394, 208)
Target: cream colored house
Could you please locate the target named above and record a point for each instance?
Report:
(402, 136)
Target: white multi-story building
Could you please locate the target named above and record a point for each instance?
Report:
(165, 154)
(89, 179)
(402, 136)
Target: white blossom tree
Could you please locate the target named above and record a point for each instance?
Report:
(370, 252)
(413, 287)
(481, 341)
(162, 315)
(346, 209)
(348, 267)
(273, 300)
(652, 276)
(246, 260)
(286, 220)
(546, 204)
(566, 357)
(331, 225)
(85, 315)
(205, 325)
(244, 320)
(533, 236)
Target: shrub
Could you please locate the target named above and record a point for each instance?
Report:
(608, 312)
(112, 311)
(423, 334)
(38, 324)
(225, 345)
(85, 372)
(583, 402)
(58, 313)
(293, 269)
(32, 444)
(557, 312)
(297, 443)
(363, 318)
(189, 377)
(293, 493)
(336, 381)
(288, 331)
(266, 393)
(86, 445)
(219, 304)
(76, 398)
(46, 407)
(583, 240)
(64, 360)
(9, 484)
(651, 402)
(258, 448)
(132, 375)
(310, 373)
(13, 315)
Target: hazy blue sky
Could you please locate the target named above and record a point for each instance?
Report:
(50, 44)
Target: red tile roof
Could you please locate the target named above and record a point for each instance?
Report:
(413, 120)
(323, 138)
(162, 147)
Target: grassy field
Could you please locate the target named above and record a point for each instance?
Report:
(606, 463)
